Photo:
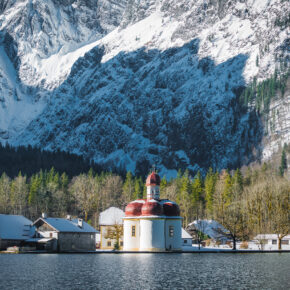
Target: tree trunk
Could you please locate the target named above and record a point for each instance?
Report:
(279, 243)
(234, 244)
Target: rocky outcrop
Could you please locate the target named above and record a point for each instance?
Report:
(131, 83)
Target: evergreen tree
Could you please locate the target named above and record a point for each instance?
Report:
(248, 176)
(283, 165)
(34, 186)
(163, 185)
(184, 197)
(197, 189)
(5, 193)
(209, 188)
(138, 188)
(228, 189)
(237, 181)
(91, 173)
(128, 187)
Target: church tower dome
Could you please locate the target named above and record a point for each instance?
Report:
(153, 186)
(153, 179)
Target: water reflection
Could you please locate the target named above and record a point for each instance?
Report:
(145, 271)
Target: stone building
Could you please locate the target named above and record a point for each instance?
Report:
(70, 235)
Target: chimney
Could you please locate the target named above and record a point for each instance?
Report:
(80, 223)
(68, 217)
(44, 215)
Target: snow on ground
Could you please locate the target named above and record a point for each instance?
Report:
(252, 246)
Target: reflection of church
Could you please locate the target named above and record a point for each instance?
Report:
(152, 224)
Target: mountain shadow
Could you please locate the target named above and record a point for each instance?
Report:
(171, 108)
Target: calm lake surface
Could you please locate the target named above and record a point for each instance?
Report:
(145, 271)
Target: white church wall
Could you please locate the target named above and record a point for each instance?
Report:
(131, 241)
(152, 235)
(173, 234)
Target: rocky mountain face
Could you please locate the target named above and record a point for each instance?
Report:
(277, 125)
(134, 83)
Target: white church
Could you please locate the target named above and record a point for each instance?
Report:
(152, 224)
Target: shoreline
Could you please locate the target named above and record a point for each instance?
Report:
(165, 252)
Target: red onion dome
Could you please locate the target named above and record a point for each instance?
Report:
(153, 179)
(170, 208)
(152, 207)
(134, 208)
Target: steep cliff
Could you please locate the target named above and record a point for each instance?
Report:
(132, 83)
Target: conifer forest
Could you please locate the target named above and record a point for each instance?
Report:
(246, 201)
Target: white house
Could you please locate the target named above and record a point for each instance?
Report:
(14, 230)
(186, 238)
(110, 221)
(152, 224)
(270, 242)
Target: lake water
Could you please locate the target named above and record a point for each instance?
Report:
(145, 271)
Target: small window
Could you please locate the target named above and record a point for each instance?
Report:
(109, 244)
(185, 241)
(171, 231)
(285, 242)
(50, 235)
(121, 243)
(274, 242)
(133, 231)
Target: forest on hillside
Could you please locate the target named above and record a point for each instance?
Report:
(260, 94)
(248, 202)
(30, 160)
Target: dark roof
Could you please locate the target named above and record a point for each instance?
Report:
(15, 227)
(66, 225)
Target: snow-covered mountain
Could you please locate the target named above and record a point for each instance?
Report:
(131, 83)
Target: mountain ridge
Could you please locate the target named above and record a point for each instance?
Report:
(192, 58)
